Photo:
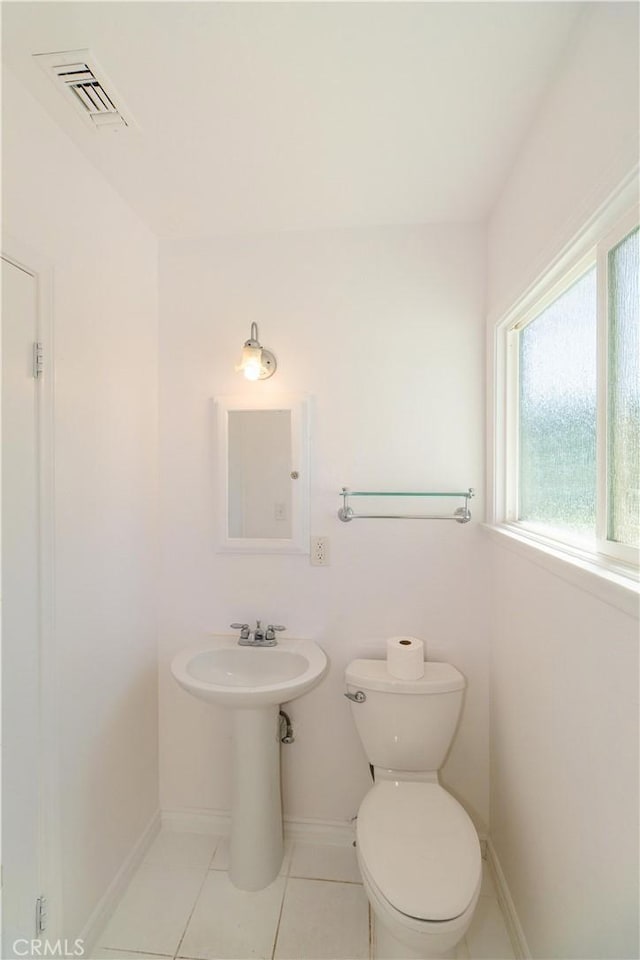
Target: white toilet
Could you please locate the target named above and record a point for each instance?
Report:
(418, 850)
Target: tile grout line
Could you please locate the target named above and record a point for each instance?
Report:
(197, 897)
(138, 953)
(354, 883)
(284, 893)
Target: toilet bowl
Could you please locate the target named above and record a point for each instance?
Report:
(420, 861)
(418, 850)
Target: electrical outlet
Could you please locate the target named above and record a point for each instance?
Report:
(319, 552)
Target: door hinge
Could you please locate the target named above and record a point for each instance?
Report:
(38, 359)
(41, 915)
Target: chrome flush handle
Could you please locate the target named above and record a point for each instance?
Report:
(358, 697)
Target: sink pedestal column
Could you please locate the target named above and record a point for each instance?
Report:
(256, 846)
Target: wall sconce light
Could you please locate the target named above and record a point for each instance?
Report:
(257, 363)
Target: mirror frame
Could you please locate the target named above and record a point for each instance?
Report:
(299, 540)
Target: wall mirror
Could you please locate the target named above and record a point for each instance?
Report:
(263, 474)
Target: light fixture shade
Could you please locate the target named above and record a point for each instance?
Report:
(256, 363)
(251, 362)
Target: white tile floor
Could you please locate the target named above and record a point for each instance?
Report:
(180, 903)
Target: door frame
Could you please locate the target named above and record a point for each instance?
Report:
(25, 258)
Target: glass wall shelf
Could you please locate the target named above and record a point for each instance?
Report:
(461, 515)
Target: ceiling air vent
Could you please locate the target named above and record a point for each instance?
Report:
(78, 75)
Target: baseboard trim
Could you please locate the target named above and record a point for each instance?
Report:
(195, 820)
(505, 900)
(113, 894)
(337, 832)
(218, 822)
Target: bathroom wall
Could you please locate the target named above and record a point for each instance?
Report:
(564, 664)
(583, 141)
(383, 329)
(104, 263)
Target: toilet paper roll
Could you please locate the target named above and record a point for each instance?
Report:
(405, 658)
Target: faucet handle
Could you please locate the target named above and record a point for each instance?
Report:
(271, 631)
(238, 626)
(275, 627)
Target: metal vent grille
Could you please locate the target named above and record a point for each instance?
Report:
(84, 83)
(87, 88)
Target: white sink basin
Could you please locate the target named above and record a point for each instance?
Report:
(253, 681)
(223, 672)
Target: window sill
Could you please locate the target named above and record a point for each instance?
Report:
(602, 579)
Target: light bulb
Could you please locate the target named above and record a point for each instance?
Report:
(252, 370)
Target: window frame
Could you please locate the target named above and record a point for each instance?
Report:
(591, 249)
(618, 551)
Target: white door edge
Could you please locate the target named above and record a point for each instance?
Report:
(21, 255)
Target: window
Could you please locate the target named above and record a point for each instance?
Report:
(623, 433)
(557, 422)
(572, 454)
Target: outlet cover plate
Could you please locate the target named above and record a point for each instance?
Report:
(319, 553)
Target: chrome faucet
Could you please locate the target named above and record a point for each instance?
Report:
(258, 637)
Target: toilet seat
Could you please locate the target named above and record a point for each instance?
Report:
(420, 849)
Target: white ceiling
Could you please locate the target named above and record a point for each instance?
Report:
(279, 116)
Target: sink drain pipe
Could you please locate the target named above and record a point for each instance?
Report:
(286, 730)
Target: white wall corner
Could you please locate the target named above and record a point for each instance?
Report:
(514, 927)
(114, 892)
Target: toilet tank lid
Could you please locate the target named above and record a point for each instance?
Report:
(373, 675)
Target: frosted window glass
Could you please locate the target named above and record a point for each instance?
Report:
(624, 391)
(558, 414)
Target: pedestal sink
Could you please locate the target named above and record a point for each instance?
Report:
(253, 682)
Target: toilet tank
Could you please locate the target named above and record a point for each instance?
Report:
(406, 725)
